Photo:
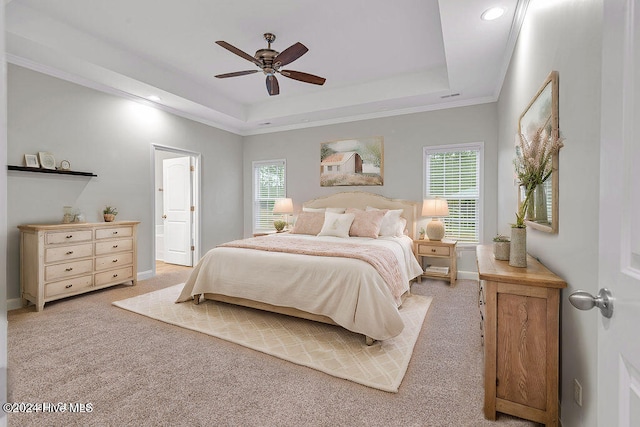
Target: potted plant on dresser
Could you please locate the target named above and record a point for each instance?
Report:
(501, 245)
(109, 213)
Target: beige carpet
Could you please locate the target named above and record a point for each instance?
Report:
(327, 348)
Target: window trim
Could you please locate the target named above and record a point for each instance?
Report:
(254, 167)
(479, 146)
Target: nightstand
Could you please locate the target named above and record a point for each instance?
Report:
(443, 249)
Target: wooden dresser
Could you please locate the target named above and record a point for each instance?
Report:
(521, 338)
(60, 260)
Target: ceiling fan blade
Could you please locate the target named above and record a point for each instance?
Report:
(303, 77)
(290, 54)
(238, 52)
(272, 85)
(237, 73)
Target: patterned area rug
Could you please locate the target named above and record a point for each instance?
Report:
(327, 348)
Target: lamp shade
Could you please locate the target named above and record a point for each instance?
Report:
(435, 207)
(283, 206)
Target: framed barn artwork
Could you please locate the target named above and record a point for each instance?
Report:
(352, 162)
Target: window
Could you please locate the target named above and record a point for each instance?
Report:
(269, 184)
(453, 172)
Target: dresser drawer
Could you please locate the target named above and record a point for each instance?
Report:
(112, 232)
(114, 246)
(115, 260)
(61, 253)
(67, 269)
(73, 285)
(54, 237)
(114, 276)
(427, 250)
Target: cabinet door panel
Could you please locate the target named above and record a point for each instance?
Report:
(521, 350)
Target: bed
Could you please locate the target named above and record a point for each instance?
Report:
(357, 281)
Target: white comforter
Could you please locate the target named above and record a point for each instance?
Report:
(349, 291)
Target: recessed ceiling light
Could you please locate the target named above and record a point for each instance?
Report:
(154, 98)
(492, 13)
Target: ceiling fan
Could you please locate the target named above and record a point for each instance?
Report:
(270, 61)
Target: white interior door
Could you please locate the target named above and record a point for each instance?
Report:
(176, 185)
(618, 337)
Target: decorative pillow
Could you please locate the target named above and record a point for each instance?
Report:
(313, 209)
(365, 223)
(390, 223)
(308, 223)
(337, 224)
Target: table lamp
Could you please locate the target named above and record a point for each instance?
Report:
(435, 208)
(284, 206)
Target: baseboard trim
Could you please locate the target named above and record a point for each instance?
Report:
(14, 304)
(145, 275)
(468, 275)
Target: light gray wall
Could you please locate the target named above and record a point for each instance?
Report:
(3, 219)
(404, 138)
(563, 36)
(111, 137)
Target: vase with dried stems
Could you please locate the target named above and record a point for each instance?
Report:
(533, 166)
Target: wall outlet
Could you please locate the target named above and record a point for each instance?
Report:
(577, 392)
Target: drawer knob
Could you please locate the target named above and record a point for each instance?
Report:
(433, 250)
(115, 275)
(114, 260)
(69, 252)
(69, 236)
(68, 286)
(115, 232)
(68, 269)
(115, 246)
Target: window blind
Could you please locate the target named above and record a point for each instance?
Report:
(269, 179)
(453, 173)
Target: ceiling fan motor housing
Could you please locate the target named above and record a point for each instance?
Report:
(266, 57)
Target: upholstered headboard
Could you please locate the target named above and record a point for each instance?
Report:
(361, 199)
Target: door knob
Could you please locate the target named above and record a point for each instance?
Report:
(583, 300)
(164, 217)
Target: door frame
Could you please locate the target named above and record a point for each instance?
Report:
(196, 197)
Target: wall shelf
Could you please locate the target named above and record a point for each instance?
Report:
(54, 171)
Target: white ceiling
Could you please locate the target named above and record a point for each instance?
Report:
(379, 57)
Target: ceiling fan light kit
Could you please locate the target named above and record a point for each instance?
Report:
(270, 61)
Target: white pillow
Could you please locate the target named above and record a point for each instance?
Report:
(392, 225)
(337, 225)
(312, 209)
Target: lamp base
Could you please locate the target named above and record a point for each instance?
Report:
(435, 229)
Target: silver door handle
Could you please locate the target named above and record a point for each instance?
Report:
(583, 300)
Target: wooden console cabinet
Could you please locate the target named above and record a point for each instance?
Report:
(61, 260)
(521, 338)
